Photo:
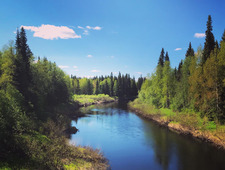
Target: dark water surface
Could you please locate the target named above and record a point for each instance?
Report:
(131, 142)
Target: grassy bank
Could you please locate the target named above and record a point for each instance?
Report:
(47, 147)
(86, 100)
(185, 122)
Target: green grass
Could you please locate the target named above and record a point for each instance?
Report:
(186, 118)
(92, 99)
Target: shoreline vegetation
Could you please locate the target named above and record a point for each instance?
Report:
(87, 100)
(35, 114)
(186, 123)
(190, 98)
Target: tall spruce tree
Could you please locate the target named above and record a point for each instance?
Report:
(209, 40)
(190, 51)
(223, 37)
(167, 57)
(161, 58)
(22, 75)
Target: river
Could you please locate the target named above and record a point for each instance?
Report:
(130, 142)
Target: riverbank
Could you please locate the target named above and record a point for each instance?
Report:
(48, 146)
(186, 123)
(87, 100)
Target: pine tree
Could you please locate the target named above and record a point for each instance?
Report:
(179, 74)
(22, 76)
(97, 91)
(190, 51)
(89, 87)
(223, 38)
(161, 58)
(111, 84)
(209, 40)
(166, 83)
(140, 82)
(167, 57)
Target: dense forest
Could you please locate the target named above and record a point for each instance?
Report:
(119, 86)
(33, 95)
(197, 84)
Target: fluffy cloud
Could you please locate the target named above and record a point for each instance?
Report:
(51, 32)
(85, 32)
(62, 67)
(80, 27)
(87, 28)
(199, 35)
(75, 67)
(94, 28)
(177, 49)
(89, 56)
(95, 71)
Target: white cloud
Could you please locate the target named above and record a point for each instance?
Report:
(89, 56)
(76, 70)
(88, 27)
(139, 73)
(51, 32)
(86, 32)
(95, 71)
(75, 67)
(94, 28)
(97, 28)
(177, 49)
(199, 35)
(80, 27)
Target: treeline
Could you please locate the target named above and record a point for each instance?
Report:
(29, 92)
(33, 96)
(120, 86)
(198, 84)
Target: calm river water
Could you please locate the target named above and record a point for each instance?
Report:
(131, 142)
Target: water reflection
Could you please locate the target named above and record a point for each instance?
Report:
(131, 142)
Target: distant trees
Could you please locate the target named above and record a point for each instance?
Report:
(121, 85)
(197, 84)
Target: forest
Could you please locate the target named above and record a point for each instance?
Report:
(33, 97)
(196, 86)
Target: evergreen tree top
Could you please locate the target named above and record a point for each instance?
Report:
(161, 58)
(190, 51)
(223, 37)
(167, 57)
(209, 40)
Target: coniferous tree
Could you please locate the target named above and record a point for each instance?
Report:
(140, 82)
(167, 57)
(179, 74)
(111, 84)
(223, 37)
(190, 51)
(97, 87)
(161, 58)
(209, 40)
(22, 74)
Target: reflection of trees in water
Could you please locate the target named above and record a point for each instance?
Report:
(190, 154)
(193, 154)
(159, 140)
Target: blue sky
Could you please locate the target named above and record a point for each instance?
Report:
(96, 37)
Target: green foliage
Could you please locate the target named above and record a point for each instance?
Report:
(121, 86)
(32, 121)
(198, 84)
(90, 99)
